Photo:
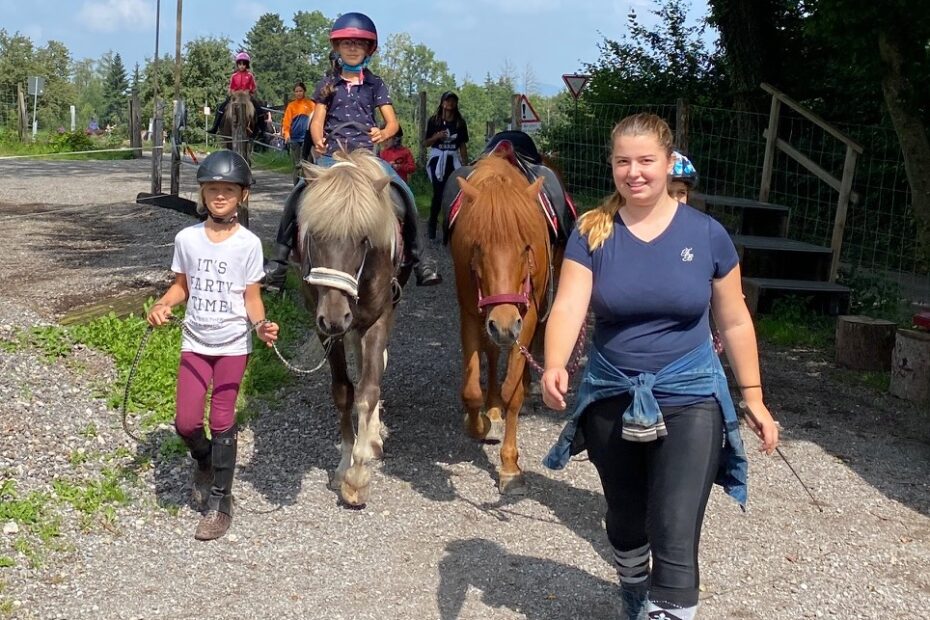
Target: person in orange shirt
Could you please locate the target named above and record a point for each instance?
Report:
(399, 156)
(295, 125)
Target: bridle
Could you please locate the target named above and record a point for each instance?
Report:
(335, 278)
(520, 299)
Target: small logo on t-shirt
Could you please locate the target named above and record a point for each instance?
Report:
(687, 255)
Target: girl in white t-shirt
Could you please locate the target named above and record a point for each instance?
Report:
(218, 269)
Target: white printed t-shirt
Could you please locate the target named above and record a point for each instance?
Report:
(217, 274)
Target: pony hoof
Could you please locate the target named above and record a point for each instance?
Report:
(495, 433)
(354, 497)
(355, 487)
(335, 480)
(512, 484)
(478, 429)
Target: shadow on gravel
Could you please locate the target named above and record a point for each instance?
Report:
(169, 470)
(883, 439)
(535, 588)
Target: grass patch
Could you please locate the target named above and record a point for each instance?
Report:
(38, 527)
(275, 161)
(57, 146)
(792, 324)
(90, 497)
(876, 380)
(7, 562)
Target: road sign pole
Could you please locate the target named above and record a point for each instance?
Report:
(35, 102)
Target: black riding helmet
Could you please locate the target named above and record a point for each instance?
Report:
(227, 166)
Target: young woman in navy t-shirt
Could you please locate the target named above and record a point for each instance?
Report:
(650, 268)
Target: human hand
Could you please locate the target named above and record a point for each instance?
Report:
(320, 146)
(554, 384)
(439, 135)
(267, 332)
(376, 135)
(159, 314)
(761, 422)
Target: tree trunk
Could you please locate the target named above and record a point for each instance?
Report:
(864, 343)
(910, 367)
(912, 135)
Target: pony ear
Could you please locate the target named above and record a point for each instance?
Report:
(467, 188)
(535, 186)
(380, 183)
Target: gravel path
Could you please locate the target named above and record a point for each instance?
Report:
(436, 540)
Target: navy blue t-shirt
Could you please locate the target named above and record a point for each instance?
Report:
(651, 299)
(351, 102)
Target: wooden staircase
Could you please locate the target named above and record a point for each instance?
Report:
(773, 265)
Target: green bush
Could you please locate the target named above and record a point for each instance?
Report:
(69, 141)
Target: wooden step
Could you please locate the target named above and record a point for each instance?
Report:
(763, 219)
(778, 257)
(824, 297)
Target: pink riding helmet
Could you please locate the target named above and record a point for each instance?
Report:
(244, 56)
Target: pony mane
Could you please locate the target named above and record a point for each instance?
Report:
(342, 202)
(503, 211)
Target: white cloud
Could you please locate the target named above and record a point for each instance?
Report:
(113, 15)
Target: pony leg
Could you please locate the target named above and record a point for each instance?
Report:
(512, 481)
(343, 397)
(356, 485)
(477, 424)
(493, 401)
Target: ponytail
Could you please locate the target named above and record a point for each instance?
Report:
(598, 224)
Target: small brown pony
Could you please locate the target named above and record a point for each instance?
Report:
(504, 262)
(238, 123)
(349, 238)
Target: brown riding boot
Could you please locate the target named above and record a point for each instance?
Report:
(218, 517)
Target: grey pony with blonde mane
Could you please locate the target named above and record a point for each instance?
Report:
(348, 240)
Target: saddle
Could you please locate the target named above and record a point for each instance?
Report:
(520, 150)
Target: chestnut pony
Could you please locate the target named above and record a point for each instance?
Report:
(504, 262)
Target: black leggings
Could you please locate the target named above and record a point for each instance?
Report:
(435, 205)
(657, 491)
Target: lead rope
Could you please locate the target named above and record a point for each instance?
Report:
(574, 361)
(327, 347)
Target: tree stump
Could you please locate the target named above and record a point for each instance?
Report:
(910, 366)
(864, 343)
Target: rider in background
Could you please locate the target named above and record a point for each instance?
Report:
(398, 156)
(242, 79)
(683, 178)
(217, 269)
(349, 96)
(296, 124)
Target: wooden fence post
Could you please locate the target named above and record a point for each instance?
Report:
(839, 223)
(771, 138)
(516, 118)
(158, 145)
(682, 120)
(135, 125)
(421, 129)
(22, 116)
(241, 144)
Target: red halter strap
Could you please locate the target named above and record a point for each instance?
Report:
(521, 299)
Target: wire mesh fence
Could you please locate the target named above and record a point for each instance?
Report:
(728, 149)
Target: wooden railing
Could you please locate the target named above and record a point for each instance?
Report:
(842, 185)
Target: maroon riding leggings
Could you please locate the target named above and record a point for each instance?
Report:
(195, 374)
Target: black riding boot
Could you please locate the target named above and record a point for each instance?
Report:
(218, 517)
(276, 267)
(426, 275)
(202, 477)
(218, 117)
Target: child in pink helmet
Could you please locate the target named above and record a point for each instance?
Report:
(242, 79)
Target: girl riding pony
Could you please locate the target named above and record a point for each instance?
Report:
(346, 101)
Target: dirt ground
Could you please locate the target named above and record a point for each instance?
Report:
(436, 540)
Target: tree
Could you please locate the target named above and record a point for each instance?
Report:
(267, 43)
(657, 64)
(88, 84)
(887, 44)
(115, 87)
(309, 43)
(16, 54)
(206, 72)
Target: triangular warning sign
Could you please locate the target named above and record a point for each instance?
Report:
(527, 113)
(575, 83)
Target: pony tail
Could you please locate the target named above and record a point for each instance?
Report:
(598, 224)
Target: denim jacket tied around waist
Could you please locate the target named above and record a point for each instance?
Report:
(697, 373)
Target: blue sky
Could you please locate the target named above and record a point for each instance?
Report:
(473, 36)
